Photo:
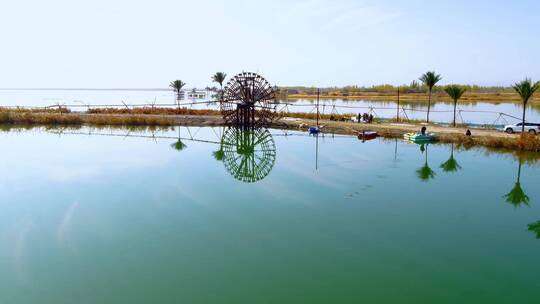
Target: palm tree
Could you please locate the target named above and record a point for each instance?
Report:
(430, 79)
(455, 92)
(517, 196)
(219, 77)
(425, 172)
(451, 165)
(177, 86)
(526, 90)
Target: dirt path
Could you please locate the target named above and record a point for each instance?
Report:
(388, 129)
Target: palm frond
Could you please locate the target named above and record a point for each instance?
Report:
(430, 79)
(177, 85)
(454, 91)
(219, 77)
(526, 89)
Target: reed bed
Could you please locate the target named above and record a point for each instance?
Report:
(129, 120)
(51, 118)
(524, 142)
(44, 118)
(153, 111)
(59, 109)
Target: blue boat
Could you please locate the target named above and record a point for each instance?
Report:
(314, 130)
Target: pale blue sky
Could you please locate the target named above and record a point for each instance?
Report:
(121, 43)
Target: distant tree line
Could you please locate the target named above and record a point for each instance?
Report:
(413, 87)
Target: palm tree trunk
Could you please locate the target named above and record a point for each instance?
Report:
(220, 91)
(428, 105)
(523, 122)
(455, 104)
(178, 99)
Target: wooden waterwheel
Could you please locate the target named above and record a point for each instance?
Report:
(248, 100)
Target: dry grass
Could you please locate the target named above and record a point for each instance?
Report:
(524, 142)
(332, 117)
(154, 111)
(129, 120)
(45, 118)
(31, 118)
(36, 110)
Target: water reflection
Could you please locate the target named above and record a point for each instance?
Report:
(248, 154)
(535, 227)
(179, 145)
(451, 165)
(425, 173)
(517, 195)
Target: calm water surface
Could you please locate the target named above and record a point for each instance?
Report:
(140, 217)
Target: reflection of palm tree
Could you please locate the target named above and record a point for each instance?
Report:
(517, 196)
(425, 173)
(179, 145)
(218, 154)
(535, 227)
(451, 165)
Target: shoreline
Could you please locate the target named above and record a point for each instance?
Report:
(488, 138)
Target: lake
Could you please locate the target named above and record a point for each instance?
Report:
(225, 216)
(476, 113)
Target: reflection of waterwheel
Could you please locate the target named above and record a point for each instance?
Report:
(248, 154)
(248, 100)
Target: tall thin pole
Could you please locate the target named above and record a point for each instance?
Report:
(398, 104)
(318, 93)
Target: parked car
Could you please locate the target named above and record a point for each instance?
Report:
(533, 128)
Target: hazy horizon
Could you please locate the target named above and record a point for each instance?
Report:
(141, 44)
